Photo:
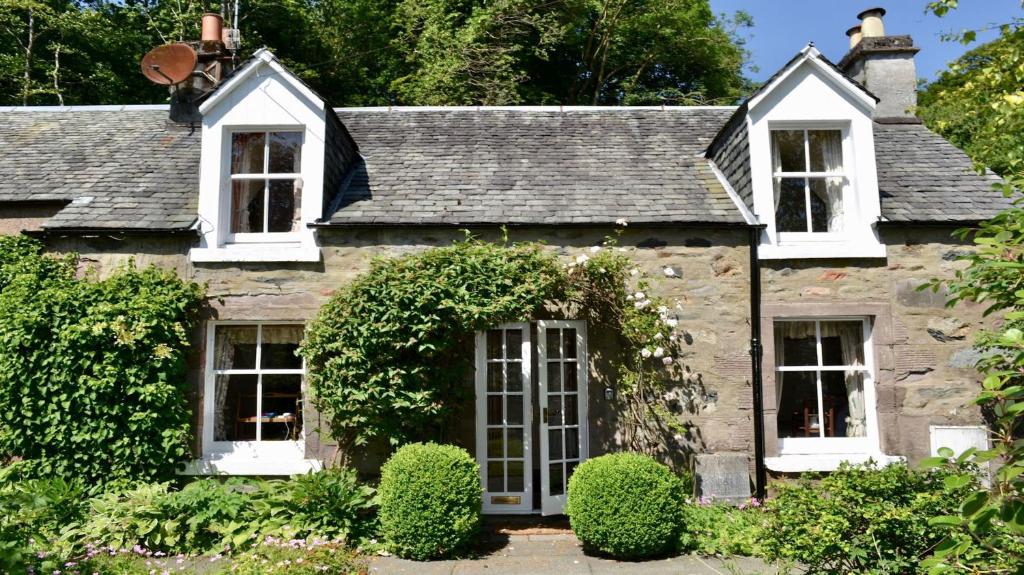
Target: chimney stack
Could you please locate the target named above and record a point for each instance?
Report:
(884, 65)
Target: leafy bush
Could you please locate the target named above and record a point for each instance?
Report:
(330, 504)
(32, 514)
(92, 372)
(209, 515)
(858, 519)
(626, 505)
(386, 355)
(429, 500)
(721, 529)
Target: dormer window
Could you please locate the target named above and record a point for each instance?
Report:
(808, 176)
(266, 183)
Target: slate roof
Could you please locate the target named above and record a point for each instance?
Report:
(924, 178)
(543, 166)
(128, 168)
(124, 167)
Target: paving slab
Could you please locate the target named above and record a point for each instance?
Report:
(561, 554)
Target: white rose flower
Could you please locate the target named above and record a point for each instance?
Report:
(658, 352)
(666, 360)
(672, 322)
(658, 336)
(639, 295)
(642, 304)
(582, 259)
(621, 222)
(645, 352)
(629, 297)
(662, 309)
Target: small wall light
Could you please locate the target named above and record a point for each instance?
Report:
(609, 393)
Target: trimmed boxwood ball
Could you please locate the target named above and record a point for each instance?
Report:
(429, 501)
(625, 505)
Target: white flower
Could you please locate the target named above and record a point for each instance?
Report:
(662, 309)
(672, 337)
(634, 271)
(621, 222)
(658, 336)
(629, 297)
(645, 352)
(582, 259)
(595, 249)
(639, 295)
(672, 322)
(641, 304)
(669, 272)
(658, 352)
(666, 360)
(603, 270)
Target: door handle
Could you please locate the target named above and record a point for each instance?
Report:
(544, 416)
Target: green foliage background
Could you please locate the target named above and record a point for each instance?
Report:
(92, 372)
(382, 52)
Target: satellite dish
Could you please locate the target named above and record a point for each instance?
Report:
(169, 64)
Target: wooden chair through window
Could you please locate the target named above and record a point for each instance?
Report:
(812, 422)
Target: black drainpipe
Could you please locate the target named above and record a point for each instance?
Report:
(756, 352)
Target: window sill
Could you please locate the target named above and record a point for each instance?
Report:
(810, 249)
(249, 464)
(796, 463)
(272, 252)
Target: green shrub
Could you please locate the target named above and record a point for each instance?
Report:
(32, 515)
(858, 519)
(93, 379)
(330, 504)
(626, 505)
(721, 529)
(429, 500)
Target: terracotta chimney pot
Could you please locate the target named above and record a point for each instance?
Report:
(212, 25)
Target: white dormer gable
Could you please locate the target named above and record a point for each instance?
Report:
(262, 168)
(812, 157)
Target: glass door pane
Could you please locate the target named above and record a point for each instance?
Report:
(563, 422)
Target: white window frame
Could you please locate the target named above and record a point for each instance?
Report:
(807, 175)
(869, 444)
(266, 176)
(247, 457)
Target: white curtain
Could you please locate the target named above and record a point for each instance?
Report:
(832, 154)
(850, 341)
(226, 338)
(776, 168)
(779, 356)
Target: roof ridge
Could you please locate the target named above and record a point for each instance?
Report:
(97, 108)
(549, 108)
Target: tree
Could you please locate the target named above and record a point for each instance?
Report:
(979, 102)
(379, 52)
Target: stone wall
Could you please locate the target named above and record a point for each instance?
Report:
(711, 290)
(924, 357)
(924, 360)
(29, 216)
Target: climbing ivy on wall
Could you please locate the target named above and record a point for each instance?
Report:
(92, 371)
(390, 355)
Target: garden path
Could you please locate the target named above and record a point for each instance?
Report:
(556, 550)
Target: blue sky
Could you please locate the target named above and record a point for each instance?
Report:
(782, 27)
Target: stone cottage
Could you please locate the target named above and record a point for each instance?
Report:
(799, 225)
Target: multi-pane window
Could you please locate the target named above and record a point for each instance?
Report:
(807, 168)
(506, 409)
(562, 409)
(266, 186)
(820, 378)
(257, 388)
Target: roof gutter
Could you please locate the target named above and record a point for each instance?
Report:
(112, 232)
(463, 225)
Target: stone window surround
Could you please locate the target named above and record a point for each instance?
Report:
(880, 315)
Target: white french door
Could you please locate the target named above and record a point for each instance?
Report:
(503, 408)
(562, 370)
